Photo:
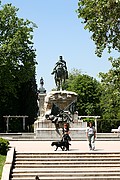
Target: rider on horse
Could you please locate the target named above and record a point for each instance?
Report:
(61, 73)
(61, 63)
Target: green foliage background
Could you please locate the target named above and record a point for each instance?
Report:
(88, 90)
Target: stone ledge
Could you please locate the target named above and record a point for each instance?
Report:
(50, 129)
(9, 134)
(115, 130)
(107, 135)
(8, 164)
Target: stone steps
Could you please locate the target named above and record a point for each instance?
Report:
(66, 170)
(78, 174)
(71, 178)
(66, 162)
(69, 154)
(71, 159)
(67, 166)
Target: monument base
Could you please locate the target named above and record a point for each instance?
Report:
(51, 134)
(45, 130)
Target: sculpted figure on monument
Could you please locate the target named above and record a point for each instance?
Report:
(61, 73)
(41, 81)
(59, 117)
(42, 89)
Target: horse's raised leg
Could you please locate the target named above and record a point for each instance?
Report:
(60, 84)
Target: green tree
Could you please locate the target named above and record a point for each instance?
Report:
(28, 100)
(17, 56)
(110, 99)
(17, 61)
(88, 90)
(102, 19)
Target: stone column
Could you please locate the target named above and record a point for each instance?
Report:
(23, 123)
(96, 124)
(41, 99)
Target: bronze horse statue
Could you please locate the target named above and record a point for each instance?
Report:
(61, 75)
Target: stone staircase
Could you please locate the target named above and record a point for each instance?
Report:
(66, 165)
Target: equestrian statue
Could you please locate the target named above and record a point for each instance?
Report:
(61, 73)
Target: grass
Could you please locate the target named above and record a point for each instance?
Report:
(2, 161)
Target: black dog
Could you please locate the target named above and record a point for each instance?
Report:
(62, 144)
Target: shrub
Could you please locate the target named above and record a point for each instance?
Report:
(105, 125)
(4, 143)
(89, 120)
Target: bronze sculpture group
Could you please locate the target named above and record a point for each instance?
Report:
(60, 117)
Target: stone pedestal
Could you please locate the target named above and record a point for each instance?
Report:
(45, 129)
(41, 99)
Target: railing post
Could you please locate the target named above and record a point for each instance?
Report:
(7, 124)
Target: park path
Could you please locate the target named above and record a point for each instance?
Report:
(80, 146)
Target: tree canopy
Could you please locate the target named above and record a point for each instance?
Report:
(17, 56)
(17, 64)
(110, 99)
(102, 19)
(88, 90)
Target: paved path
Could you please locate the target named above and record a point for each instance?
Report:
(79, 146)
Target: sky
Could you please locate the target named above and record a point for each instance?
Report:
(60, 33)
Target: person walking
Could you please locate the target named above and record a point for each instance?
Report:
(66, 128)
(37, 178)
(91, 135)
(66, 137)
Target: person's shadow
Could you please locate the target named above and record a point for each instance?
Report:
(98, 149)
